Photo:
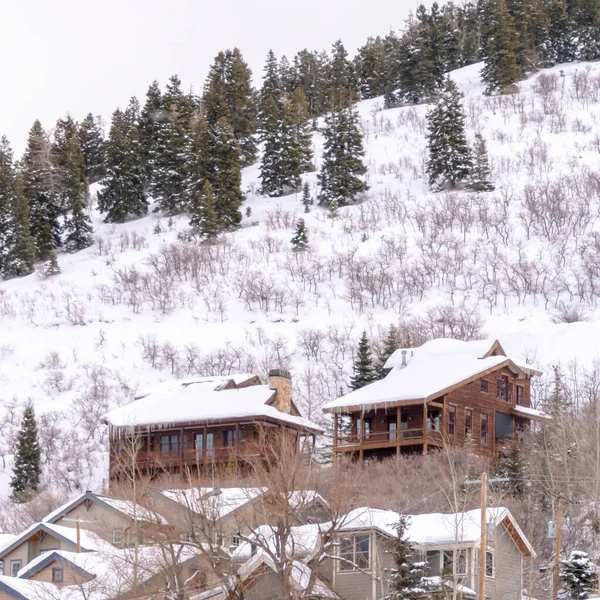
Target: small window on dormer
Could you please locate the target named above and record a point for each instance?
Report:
(484, 385)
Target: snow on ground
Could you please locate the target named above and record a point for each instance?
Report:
(141, 306)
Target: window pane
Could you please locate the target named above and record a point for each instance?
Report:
(210, 442)
(433, 562)
(489, 564)
(164, 444)
(347, 554)
(174, 443)
(362, 551)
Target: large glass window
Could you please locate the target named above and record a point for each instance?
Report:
(355, 553)
(451, 419)
(484, 428)
(504, 389)
(169, 443)
(393, 429)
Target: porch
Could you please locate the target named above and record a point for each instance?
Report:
(390, 431)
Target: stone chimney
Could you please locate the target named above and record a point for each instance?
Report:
(280, 380)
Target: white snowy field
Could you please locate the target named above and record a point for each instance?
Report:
(144, 305)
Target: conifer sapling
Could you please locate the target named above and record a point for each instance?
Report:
(300, 239)
(26, 469)
(363, 368)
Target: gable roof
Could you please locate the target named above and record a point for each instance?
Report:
(204, 400)
(23, 589)
(42, 561)
(88, 539)
(436, 529)
(128, 508)
(301, 576)
(431, 370)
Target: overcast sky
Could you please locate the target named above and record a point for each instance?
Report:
(81, 56)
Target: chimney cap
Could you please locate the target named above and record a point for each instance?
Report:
(280, 373)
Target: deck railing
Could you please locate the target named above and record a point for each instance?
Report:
(378, 437)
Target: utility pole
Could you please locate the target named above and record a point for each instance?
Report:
(559, 522)
(483, 538)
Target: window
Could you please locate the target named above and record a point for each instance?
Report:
(199, 444)
(433, 562)
(447, 562)
(503, 426)
(236, 540)
(117, 537)
(15, 567)
(393, 429)
(519, 398)
(484, 428)
(461, 562)
(468, 423)
(169, 443)
(368, 427)
(489, 564)
(57, 575)
(451, 419)
(484, 385)
(433, 420)
(354, 553)
(229, 438)
(504, 389)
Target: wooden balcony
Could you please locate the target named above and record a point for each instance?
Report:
(149, 461)
(387, 439)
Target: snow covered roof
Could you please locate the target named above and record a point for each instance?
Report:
(217, 503)
(214, 503)
(433, 529)
(88, 539)
(532, 413)
(126, 507)
(431, 369)
(202, 400)
(304, 540)
(24, 589)
(301, 576)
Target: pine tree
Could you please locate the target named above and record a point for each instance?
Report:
(22, 255)
(559, 45)
(369, 68)
(169, 184)
(123, 195)
(340, 177)
(579, 575)
(300, 239)
(310, 76)
(151, 132)
(228, 93)
(341, 79)
(450, 160)
(363, 369)
(26, 469)
(39, 188)
(480, 179)
(7, 203)
(204, 219)
(72, 189)
(91, 139)
(390, 345)
(287, 151)
(501, 65)
(306, 197)
(270, 94)
(218, 162)
(407, 578)
(510, 465)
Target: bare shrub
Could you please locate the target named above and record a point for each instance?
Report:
(569, 313)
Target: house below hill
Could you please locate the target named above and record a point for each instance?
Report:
(185, 426)
(443, 392)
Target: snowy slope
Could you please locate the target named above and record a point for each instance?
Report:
(142, 306)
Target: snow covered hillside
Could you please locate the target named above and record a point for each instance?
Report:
(144, 304)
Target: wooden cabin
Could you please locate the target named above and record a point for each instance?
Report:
(187, 426)
(443, 392)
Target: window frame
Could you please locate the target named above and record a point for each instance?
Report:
(504, 388)
(491, 554)
(452, 411)
(519, 397)
(171, 442)
(351, 564)
(13, 563)
(58, 575)
(117, 537)
(484, 386)
(484, 418)
(469, 423)
(236, 539)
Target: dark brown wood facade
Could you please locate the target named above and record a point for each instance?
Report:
(479, 413)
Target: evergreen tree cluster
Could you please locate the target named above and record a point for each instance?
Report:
(186, 151)
(367, 368)
(579, 575)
